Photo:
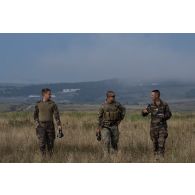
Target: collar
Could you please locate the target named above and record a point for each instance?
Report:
(45, 101)
(161, 103)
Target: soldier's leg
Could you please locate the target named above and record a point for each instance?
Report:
(106, 139)
(161, 140)
(154, 137)
(50, 138)
(41, 134)
(114, 137)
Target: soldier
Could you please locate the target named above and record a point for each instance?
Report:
(160, 113)
(111, 113)
(45, 109)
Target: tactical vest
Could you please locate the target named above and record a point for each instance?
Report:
(45, 111)
(111, 112)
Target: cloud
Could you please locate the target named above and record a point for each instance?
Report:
(118, 56)
(85, 57)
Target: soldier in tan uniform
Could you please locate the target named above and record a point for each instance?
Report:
(160, 113)
(111, 113)
(45, 111)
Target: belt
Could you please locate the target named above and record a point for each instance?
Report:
(46, 121)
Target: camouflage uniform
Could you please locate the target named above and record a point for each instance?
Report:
(109, 117)
(158, 129)
(43, 116)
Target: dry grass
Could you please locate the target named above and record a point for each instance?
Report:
(18, 142)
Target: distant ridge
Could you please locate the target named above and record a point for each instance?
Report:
(93, 92)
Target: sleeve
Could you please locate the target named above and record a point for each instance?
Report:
(122, 112)
(100, 117)
(168, 113)
(36, 114)
(56, 114)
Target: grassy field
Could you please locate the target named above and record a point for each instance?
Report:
(18, 141)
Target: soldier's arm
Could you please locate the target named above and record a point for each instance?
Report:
(100, 117)
(122, 112)
(56, 114)
(36, 115)
(168, 113)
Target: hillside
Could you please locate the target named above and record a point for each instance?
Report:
(94, 92)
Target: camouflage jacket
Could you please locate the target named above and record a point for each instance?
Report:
(45, 111)
(110, 114)
(159, 114)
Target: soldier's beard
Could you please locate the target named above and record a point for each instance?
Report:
(110, 101)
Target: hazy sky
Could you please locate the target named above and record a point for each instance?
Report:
(39, 58)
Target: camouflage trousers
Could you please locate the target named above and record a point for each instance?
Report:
(110, 138)
(158, 136)
(46, 136)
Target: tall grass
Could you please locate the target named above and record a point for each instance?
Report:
(18, 141)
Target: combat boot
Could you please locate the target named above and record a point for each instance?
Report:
(156, 157)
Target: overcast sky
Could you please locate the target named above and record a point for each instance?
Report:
(40, 58)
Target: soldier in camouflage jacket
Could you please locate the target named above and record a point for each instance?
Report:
(160, 113)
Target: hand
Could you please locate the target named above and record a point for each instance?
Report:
(59, 127)
(145, 111)
(161, 116)
(118, 123)
(98, 135)
(36, 125)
